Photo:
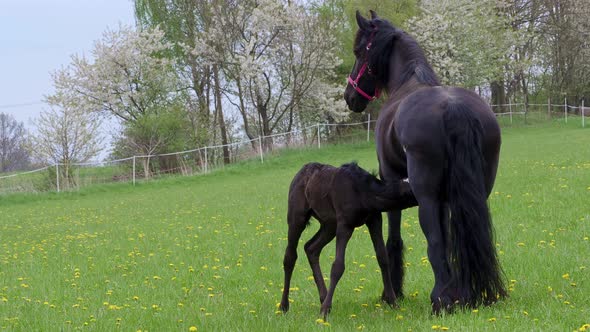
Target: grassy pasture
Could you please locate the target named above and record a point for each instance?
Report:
(206, 251)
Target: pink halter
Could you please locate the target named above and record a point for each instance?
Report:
(355, 82)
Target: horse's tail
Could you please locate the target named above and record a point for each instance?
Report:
(472, 254)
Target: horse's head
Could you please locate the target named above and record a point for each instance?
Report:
(362, 83)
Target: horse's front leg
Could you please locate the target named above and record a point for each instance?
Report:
(343, 234)
(395, 247)
(374, 223)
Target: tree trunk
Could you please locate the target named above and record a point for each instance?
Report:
(219, 109)
(498, 96)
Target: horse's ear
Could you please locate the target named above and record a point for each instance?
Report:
(361, 21)
(373, 14)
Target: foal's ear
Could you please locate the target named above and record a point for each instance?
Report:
(373, 14)
(362, 22)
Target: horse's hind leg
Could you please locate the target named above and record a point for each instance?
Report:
(374, 223)
(425, 179)
(313, 249)
(343, 234)
(297, 221)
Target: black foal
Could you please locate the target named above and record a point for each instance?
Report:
(341, 199)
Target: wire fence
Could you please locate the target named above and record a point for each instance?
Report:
(142, 168)
(532, 113)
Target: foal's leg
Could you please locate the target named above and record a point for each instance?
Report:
(313, 249)
(374, 223)
(297, 221)
(343, 234)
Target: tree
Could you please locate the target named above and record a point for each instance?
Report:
(66, 135)
(13, 142)
(131, 78)
(467, 42)
(279, 57)
(184, 23)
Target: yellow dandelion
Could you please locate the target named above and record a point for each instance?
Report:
(319, 321)
(399, 317)
(435, 327)
(192, 329)
(493, 319)
(353, 316)
(444, 328)
(566, 276)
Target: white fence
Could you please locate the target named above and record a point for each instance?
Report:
(550, 109)
(60, 177)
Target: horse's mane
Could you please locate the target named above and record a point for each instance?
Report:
(388, 39)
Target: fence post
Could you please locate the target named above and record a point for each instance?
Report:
(565, 108)
(319, 137)
(368, 127)
(260, 148)
(134, 170)
(57, 175)
(549, 108)
(526, 101)
(510, 109)
(583, 122)
(206, 161)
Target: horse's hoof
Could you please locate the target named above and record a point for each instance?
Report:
(324, 311)
(443, 304)
(391, 301)
(284, 307)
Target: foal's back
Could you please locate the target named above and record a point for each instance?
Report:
(329, 191)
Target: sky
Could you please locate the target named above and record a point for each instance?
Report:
(39, 36)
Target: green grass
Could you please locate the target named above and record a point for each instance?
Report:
(206, 251)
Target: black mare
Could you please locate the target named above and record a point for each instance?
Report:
(341, 199)
(446, 141)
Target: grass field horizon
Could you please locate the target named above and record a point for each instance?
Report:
(206, 251)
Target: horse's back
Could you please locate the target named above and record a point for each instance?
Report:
(419, 117)
(424, 118)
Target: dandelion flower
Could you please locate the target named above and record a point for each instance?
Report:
(192, 329)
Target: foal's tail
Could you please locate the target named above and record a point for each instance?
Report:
(472, 257)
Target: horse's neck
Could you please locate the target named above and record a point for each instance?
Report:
(400, 85)
(406, 89)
